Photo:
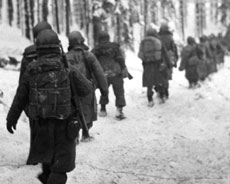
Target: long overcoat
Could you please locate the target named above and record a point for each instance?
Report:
(155, 73)
(87, 64)
(50, 143)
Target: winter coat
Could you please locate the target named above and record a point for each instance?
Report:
(187, 52)
(110, 57)
(202, 69)
(167, 39)
(191, 71)
(207, 59)
(88, 65)
(154, 73)
(51, 142)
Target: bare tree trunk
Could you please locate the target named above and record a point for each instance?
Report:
(27, 22)
(182, 18)
(85, 18)
(30, 18)
(67, 6)
(56, 16)
(10, 12)
(45, 10)
(31, 3)
(0, 10)
(146, 10)
(18, 14)
(118, 25)
(38, 11)
(88, 20)
(62, 19)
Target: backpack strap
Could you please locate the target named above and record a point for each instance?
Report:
(88, 68)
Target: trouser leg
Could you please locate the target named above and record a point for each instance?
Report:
(104, 100)
(150, 93)
(119, 92)
(43, 177)
(167, 92)
(57, 178)
(161, 90)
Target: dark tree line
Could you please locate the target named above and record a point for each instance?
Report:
(116, 16)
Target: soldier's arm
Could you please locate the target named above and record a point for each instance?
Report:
(175, 51)
(120, 58)
(21, 99)
(140, 53)
(98, 73)
(23, 67)
(166, 57)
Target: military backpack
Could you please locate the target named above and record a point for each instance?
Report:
(151, 50)
(50, 92)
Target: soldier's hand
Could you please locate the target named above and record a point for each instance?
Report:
(10, 126)
(124, 73)
(181, 68)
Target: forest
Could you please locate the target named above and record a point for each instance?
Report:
(119, 17)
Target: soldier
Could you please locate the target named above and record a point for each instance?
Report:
(218, 50)
(30, 55)
(190, 62)
(155, 65)
(110, 56)
(166, 36)
(46, 86)
(30, 52)
(85, 61)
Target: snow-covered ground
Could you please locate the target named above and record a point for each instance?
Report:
(184, 141)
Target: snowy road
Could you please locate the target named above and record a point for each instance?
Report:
(184, 141)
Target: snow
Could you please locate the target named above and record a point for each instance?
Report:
(186, 140)
(12, 42)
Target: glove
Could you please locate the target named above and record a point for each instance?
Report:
(10, 126)
(181, 68)
(124, 73)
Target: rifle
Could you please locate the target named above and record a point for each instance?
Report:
(79, 111)
(76, 99)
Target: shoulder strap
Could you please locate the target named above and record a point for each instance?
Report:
(88, 68)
